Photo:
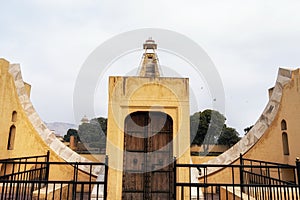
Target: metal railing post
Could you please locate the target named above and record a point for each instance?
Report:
(75, 176)
(241, 169)
(175, 177)
(105, 177)
(241, 173)
(298, 170)
(47, 165)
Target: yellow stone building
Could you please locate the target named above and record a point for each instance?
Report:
(275, 135)
(22, 131)
(148, 125)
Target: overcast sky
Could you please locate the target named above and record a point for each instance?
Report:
(247, 40)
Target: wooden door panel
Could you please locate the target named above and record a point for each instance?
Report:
(135, 142)
(148, 156)
(136, 122)
(134, 162)
(136, 181)
(159, 122)
(160, 140)
(133, 196)
(160, 182)
(161, 196)
(160, 161)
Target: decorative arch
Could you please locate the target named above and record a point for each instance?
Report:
(285, 144)
(11, 137)
(283, 125)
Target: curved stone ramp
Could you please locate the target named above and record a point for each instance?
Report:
(260, 127)
(48, 137)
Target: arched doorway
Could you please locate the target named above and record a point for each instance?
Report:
(148, 156)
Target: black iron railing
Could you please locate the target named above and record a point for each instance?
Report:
(251, 179)
(262, 172)
(19, 169)
(28, 178)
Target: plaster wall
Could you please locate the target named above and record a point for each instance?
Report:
(131, 94)
(32, 137)
(264, 140)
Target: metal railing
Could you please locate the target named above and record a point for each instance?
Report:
(251, 179)
(280, 180)
(15, 170)
(268, 172)
(28, 178)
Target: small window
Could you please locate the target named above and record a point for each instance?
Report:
(14, 116)
(11, 138)
(283, 125)
(285, 144)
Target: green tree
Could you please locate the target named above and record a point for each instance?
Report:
(93, 134)
(71, 132)
(103, 124)
(196, 137)
(208, 127)
(229, 136)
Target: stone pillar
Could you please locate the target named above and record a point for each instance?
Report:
(73, 143)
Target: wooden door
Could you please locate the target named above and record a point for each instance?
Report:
(148, 156)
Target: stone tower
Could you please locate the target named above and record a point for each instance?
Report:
(148, 126)
(150, 65)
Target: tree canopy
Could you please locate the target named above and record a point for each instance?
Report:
(71, 132)
(208, 127)
(94, 133)
(229, 136)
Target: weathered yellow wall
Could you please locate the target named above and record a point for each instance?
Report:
(131, 94)
(201, 159)
(27, 141)
(270, 147)
(9, 102)
(211, 148)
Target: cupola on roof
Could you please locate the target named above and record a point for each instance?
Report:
(149, 65)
